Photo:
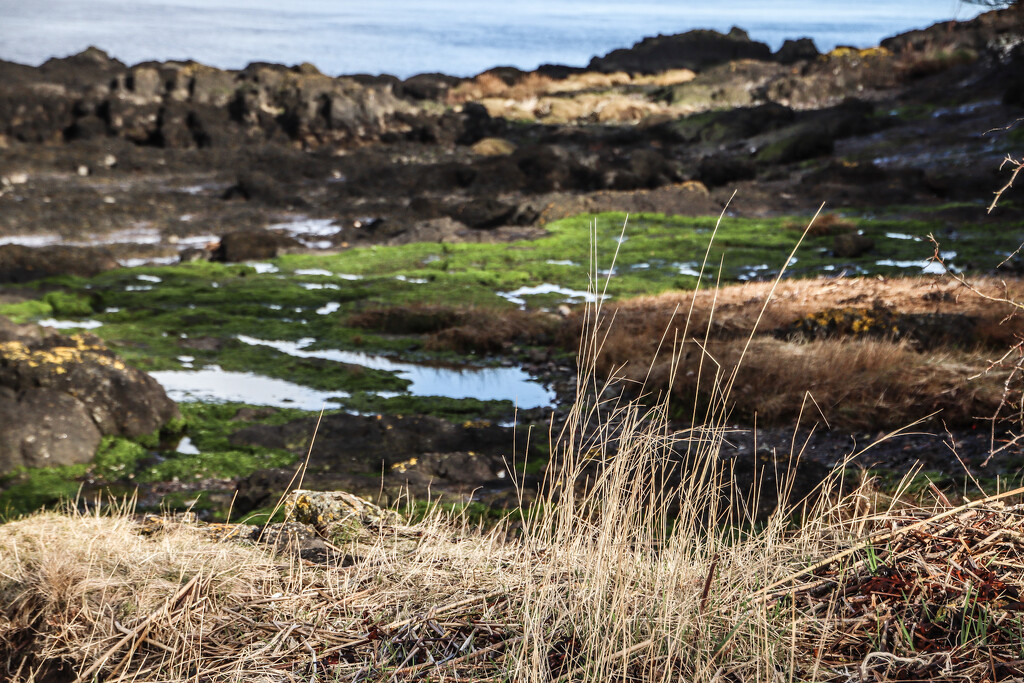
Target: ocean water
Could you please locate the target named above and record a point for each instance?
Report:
(405, 37)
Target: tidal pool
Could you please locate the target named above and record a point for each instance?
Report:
(217, 385)
(572, 296)
(70, 324)
(484, 384)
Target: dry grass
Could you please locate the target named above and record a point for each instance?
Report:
(598, 583)
(833, 340)
(612, 576)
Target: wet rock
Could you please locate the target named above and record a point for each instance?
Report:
(253, 245)
(694, 50)
(483, 214)
(430, 86)
(723, 169)
(796, 50)
(256, 186)
(368, 454)
(806, 142)
(24, 264)
(851, 245)
(732, 125)
(60, 394)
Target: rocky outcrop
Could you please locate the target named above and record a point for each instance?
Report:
(253, 245)
(185, 104)
(60, 395)
(24, 264)
(694, 50)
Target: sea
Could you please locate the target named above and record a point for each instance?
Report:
(406, 37)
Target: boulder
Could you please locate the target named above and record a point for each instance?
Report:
(44, 427)
(851, 245)
(694, 50)
(253, 245)
(59, 395)
(24, 264)
(804, 142)
(483, 214)
(430, 86)
(796, 50)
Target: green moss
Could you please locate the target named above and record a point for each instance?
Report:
(24, 311)
(29, 489)
(68, 304)
(216, 465)
(454, 409)
(117, 458)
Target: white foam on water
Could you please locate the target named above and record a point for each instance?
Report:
(313, 271)
(318, 285)
(148, 278)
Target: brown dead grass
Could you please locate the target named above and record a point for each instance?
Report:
(460, 329)
(857, 381)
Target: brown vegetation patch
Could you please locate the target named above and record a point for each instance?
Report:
(870, 352)
(463, 330)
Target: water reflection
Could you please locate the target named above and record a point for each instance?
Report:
(485, 384)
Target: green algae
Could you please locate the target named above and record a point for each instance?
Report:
(26, 490)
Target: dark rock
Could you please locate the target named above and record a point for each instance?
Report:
(352, 452)
(718, 170)
(262, 489)
(559, 72)
(430, 86)
(88, 127)
(483, 214)
(731, 125)
(806, 142)
(796, 50)
(695, 50)
(851, 245)
(59, 395)
(509, 75)
(253, 245)
(24, 264)
(256, 186)
(44, 428)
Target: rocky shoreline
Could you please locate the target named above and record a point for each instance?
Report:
(105, 166)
